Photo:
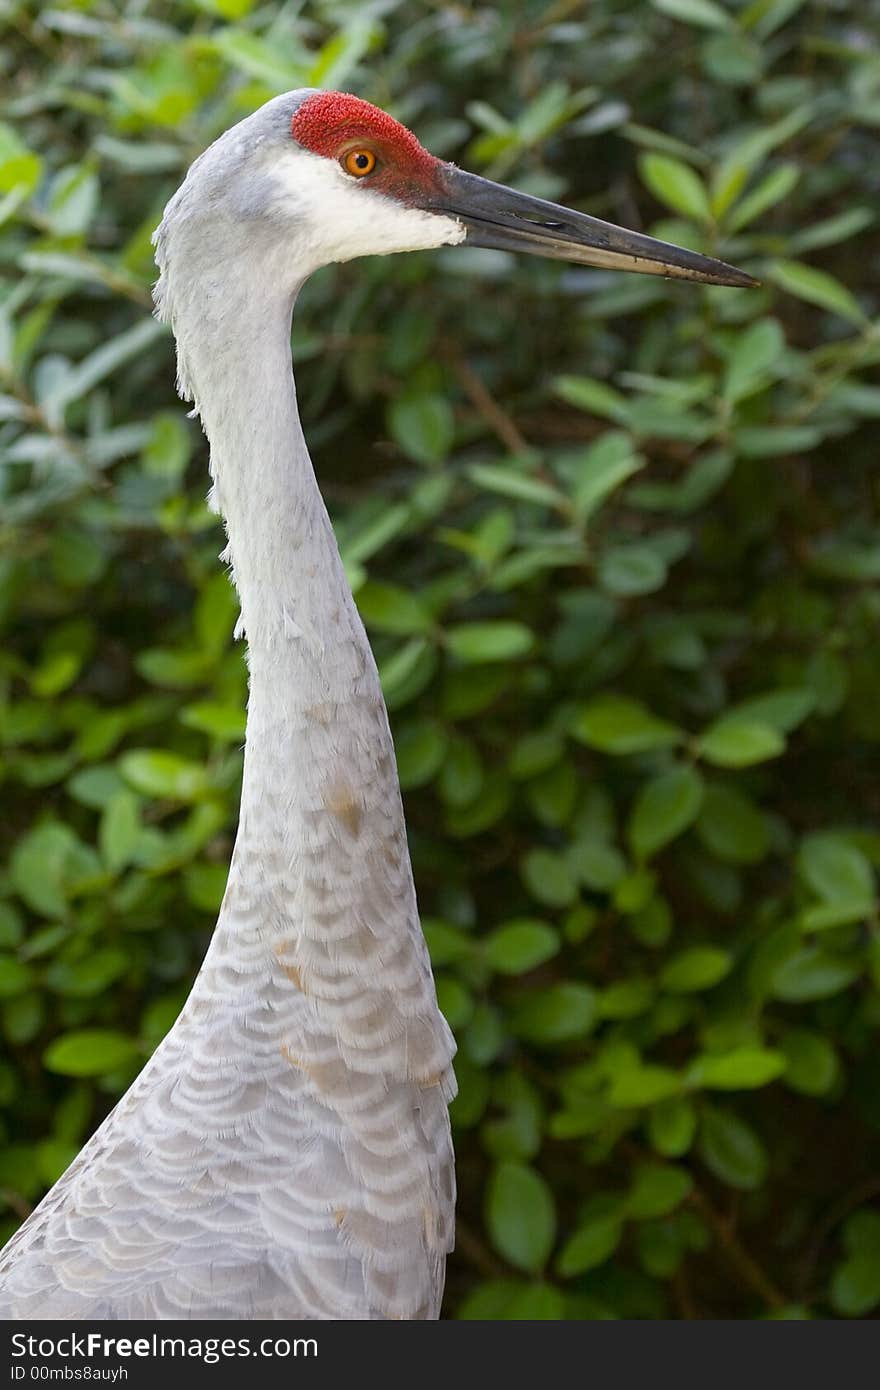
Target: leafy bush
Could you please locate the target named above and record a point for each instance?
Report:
(617, 544)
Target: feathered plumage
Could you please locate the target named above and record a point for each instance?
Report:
(285, 1153)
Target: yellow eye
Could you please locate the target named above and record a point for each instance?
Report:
(359, 163)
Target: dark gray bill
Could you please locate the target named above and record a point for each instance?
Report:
(510, 221)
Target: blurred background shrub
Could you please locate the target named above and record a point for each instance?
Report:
(617, 545)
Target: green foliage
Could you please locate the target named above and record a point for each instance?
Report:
(617, 544)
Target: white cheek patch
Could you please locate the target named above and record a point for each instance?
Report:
(337, 218)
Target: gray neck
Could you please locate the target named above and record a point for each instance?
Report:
(318, 943)
(284, 557)
(308, 653)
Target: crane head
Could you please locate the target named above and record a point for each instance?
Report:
(372, 188)
(315, 177)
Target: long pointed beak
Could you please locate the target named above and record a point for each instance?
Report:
(511, 221)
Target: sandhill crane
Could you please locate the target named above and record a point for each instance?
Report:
(286, 1152)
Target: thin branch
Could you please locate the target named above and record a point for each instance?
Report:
(496, 418)
(681, 1290)
(745, 1264)
(16, 1202)
(833, 1217)
(468, 1244)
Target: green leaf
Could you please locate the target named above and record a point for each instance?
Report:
(55, 673)
(705, 14)
(618, 724)
(216, 613)
(813, 973)
(388, 608)
(11, 926)
(90, 1052)
(861, 1230)
(735, 742)
(340, 55)
(597, 397)
(101, 363)
(812, 1066)
(19, 168)
(755, 352)
(855, 1285)
(485, 1036)
(672, 1125)
(704, 478)
(279, 67)
(549, 877)
(521, 945)
(521, 1216)
(18, 1169)
(817, 287)
(601, 469)
(677, 185)
(167, 451)
(82, 979)
(15, 977)
(637, 1085)
(837, 871)
(23, 1017)
(536, 1303)
(838, 557)
(487, 810)
(632, 569)
(53, 1157)
(830, 230)
(482, 642)
(658, 1188)
(510, 483)
(461, 776)
(556, 1015)
(770, 190)
(664, 808)
(731, 826)
(598, 865)
(774, 441)
(446, 943)
(766, 16)
(627, 998)
(406, 672)
(742, 1069)
(224, 722)
(733, 58)
(368, 538)
(421, 747)
(41, 866)
(535, 753)
(205, 885)
(455, 1000)
(489, 1301)
(157, 773)
(175, 670)
(423, 425)
(731, 1149)
(552, 795)
(782, 709)
(95, 786)
(120, 830)
(592, 1244)
(696, 968)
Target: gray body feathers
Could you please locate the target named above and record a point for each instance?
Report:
(285, 1153)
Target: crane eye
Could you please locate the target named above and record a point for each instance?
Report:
(359, 163)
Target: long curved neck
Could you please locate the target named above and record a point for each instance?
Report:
(309, 657)
(284, 558)
(318, 936)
